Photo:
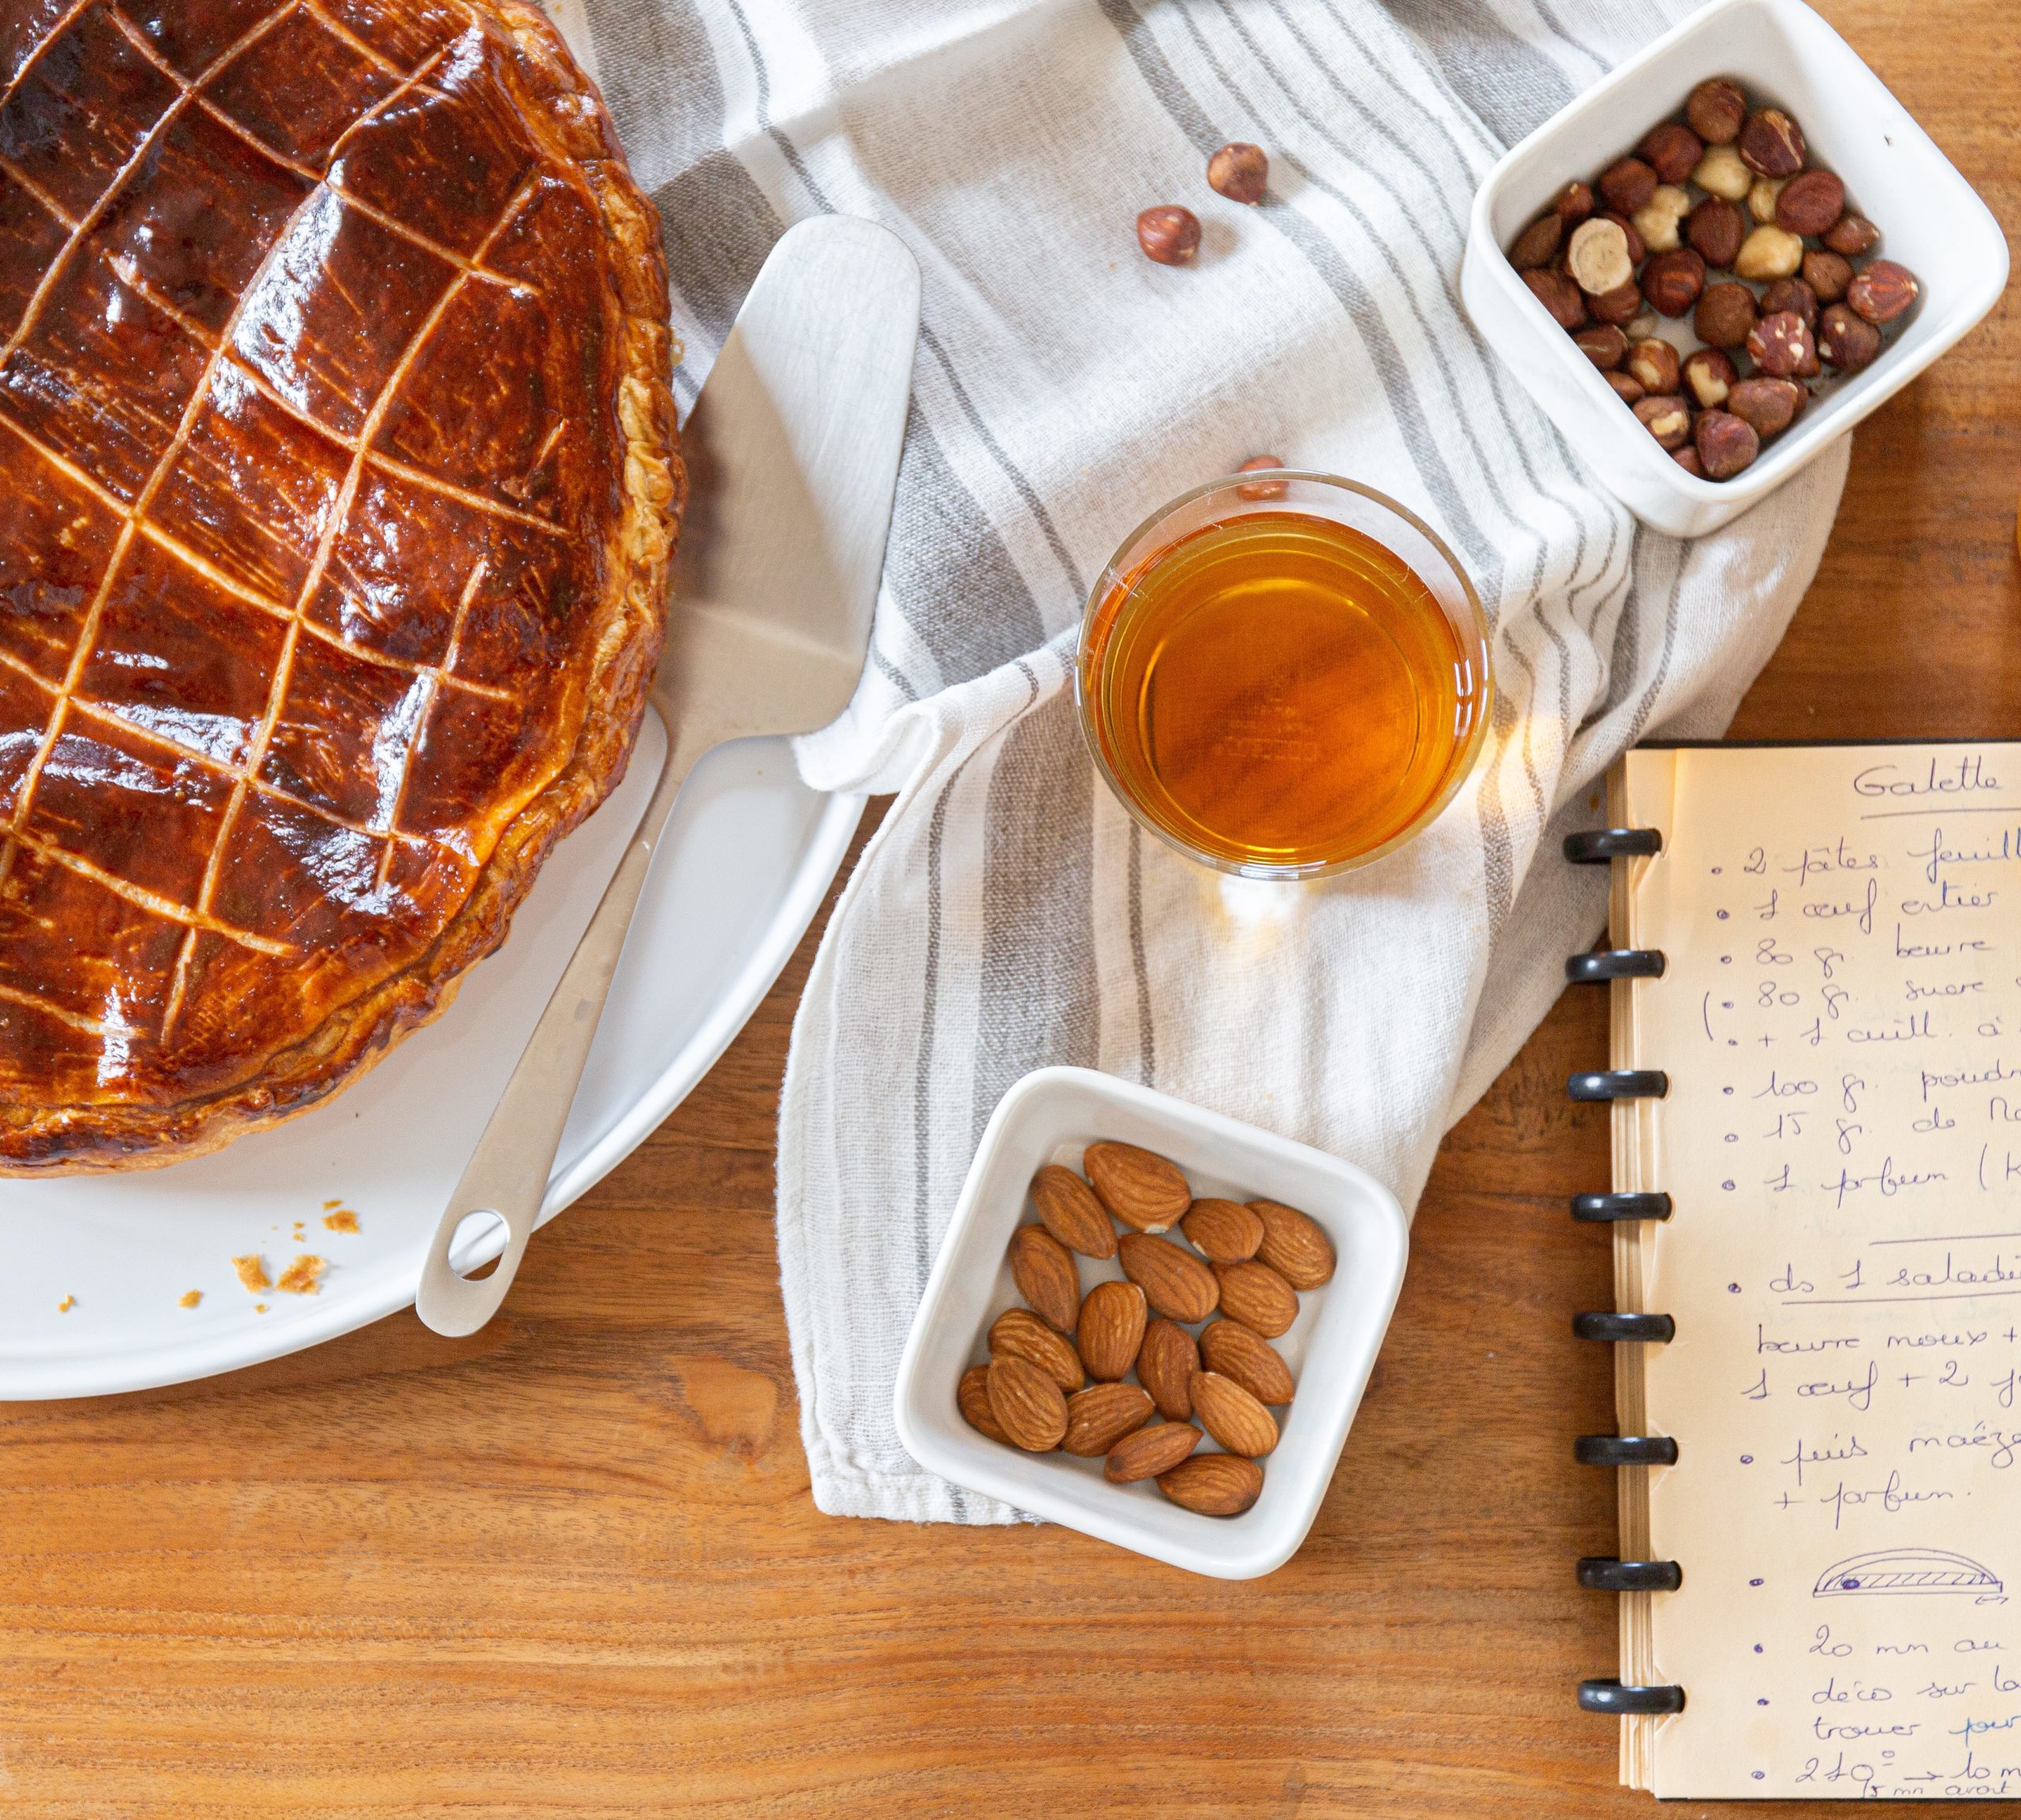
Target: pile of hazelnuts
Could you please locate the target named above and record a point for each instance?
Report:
(1706, 210)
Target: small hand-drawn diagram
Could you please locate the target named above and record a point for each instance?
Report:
(1909, 1571)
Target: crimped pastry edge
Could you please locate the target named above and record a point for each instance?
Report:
(568, 113)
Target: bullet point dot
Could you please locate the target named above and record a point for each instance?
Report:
(1726, 961)
(1760, 1775)
(1757, 1649)
(1757, 1582)
(1727, 1090)
(1732, 1289)
(1728, 1186)
(1723, 915)
(1747, 1459)
(1717, 870)
(1761, 1702)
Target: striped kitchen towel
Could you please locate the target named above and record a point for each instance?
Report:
(1008, 914)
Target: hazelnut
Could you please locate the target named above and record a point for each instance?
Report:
(1851, 235)
(1169, 235)
(1782, 347)
(1667, 419)
(1725, 314)
(1537, 245)
(1828, 274)
(1636, 250)
(1810, 202)
(1628, 185)
(1717, 110)
(1574, 204)
(1768, 252)
(1240, 172)
(1883, 291)
(1716, 227)
(1791, 294)
(1846, 342)
(1628, 390)
(1726, 443)
(1597, 259)
(1721, 172)
(1262, 489)
(1762, 196)
(1672, 152)
(1709, 375)
(1772, 143)
(1653, 365)
(1645, 327)
(1604, 345)
(1618, 307)
(1768, 406)
(1559, 295)
(1657, 220)
(1671, 281)
(1687, 459)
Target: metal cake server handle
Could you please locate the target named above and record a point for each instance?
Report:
(793, 452)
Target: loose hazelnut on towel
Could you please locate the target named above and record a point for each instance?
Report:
(1782, 347)
(1722, 173)
(1883, 291)
(1168, 235)
(1604, 345)
(1239, 171)
(1810, 202)
(1574, 203)
(1793, 295)
(1538, 243)
(1262, 489)
(1597, 257)
(1768, 406)
(1716, 227)
(1709, 375)
(1851, 235)
(1846, 342)
(1768, 252)
(1671, 281)
(1653, 365)
(1628, 185)
(1772, 143)
(1717, 111)
(1672, 152)
(1559, 295)
(1725, 314)
(1667, 419)
(1828, 274)
(1726, 443)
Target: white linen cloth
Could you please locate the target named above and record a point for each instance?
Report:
(1008, 914)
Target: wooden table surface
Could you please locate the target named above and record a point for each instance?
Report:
(571, 1567)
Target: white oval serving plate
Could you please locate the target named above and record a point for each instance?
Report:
(743, 867)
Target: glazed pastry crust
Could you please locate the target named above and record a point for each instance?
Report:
(636, 520)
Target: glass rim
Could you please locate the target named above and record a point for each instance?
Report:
(1477, 630)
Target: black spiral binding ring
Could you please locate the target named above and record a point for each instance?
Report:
(1655, 1329)
(1603, 1573)
(1599, 1209)
(1612, 1698)
(1607, 964)
(1598, 845)
(1619, 1084)
(1625, 1450)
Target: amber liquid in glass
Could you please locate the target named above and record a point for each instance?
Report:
(1279, 691)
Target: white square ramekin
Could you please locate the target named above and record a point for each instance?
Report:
(1050, 1117)
(1781, 52)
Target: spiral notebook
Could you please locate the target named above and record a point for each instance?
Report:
(1815, 972)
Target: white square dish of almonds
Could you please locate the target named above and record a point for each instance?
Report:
(1103, 1234)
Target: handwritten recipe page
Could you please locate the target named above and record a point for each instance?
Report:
(1840, 1019)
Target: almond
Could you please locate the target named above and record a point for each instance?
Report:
(1242, 1354)
(972, 1398)
(1046, 1275)
(1101, 1415)
(1150, 1451)
(1214, 1484)
(1224, 1230)
(1175, 1283)
(1167, 1359)
(1112, 1329)
(1293, 1244)
(1232, 1415)
(1027, 1404)
(1018, 1333)
(1071, 1214)
(1142, 1190)
(1255, 1295)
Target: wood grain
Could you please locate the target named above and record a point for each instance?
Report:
(570, 1567)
